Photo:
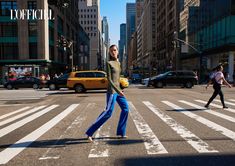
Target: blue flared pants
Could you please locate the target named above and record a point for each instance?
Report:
(107, 113)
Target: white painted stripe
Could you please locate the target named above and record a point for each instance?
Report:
(68, 133)
(191, 138)
(151, 142)
(22, 122)
(226, 102)
(9, 153)
(21, 115)
(231, 100)
(14, 112)
(226, 117)
(97, 150)
(202, 120)
(25, 98)
(216, 106)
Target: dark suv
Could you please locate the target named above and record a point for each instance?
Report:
(182, 78)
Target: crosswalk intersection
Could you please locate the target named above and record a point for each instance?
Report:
(216, 120)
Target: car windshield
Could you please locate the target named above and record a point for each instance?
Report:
(163, 74)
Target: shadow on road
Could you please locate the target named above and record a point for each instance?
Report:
(190, 110)
(57, 143)
(181, 160)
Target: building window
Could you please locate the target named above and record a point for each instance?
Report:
(51, 53)
(8, 29)
(9, 51)
(33, 51)
(6, 6)
(32, 27)
(32, 5)
(60, 24)
(51, 33)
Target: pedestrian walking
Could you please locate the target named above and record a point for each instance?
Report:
(217, 79)
(114, 94)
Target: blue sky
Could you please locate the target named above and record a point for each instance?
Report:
(115, 10)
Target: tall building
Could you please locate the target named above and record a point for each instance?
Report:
(90, 19)
(148, 35)
(167, 22)
(209, 27)
(28, 46)
(139, 11)
(139, 20)
(105, 39)
(105, 30)
(122, 42)
(130, 26)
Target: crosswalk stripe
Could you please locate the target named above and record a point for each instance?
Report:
(22, 122)
(191, 138)
(151, 142)
(226, 117)
(12, 113)
(202, 120)
(216, 106)
(226, 102)
(97, 150)
(52, 152)
(231, 100)
(21, 115)
(9, 153)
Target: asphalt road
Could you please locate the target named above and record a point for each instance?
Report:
(168, 127)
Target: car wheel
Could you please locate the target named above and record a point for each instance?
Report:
(9, 86)
(189, 85)
(35, 86)
(159, 85)
(79, 88)
(52, 87)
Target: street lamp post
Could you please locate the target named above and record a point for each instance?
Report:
(195, 49)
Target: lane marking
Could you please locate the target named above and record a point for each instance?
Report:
(97, 150)
(9, 153)
(216, 106)
(191, 138)
(14, 112)
(22, 122)
(202, 120)
(151, 142)
(21, 115)
(209, 111)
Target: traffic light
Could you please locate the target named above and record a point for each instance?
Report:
(59, 3)
(52, 2)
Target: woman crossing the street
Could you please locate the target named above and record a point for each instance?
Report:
(217, 80)
(114, 94)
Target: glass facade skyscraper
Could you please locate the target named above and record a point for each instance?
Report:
(210, 29)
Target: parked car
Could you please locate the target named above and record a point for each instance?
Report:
(181, 78)
(23, 82)
(81, 81)
(57, 83)
(136, 78)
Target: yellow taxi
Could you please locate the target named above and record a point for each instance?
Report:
(81, 81)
